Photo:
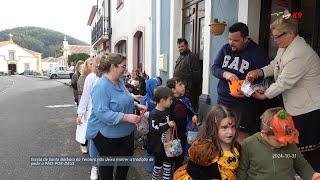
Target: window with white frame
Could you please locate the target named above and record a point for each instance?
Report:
(12, 55)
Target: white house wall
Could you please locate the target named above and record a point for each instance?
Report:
(26, 60)
(175, 32)
(132, 17)
(249, 13)
(3, 64)
(21, 56)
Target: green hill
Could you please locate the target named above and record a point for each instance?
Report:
(41, 40)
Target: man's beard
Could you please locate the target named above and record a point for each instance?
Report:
(186, 51)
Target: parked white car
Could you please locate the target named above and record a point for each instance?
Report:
(60, 72)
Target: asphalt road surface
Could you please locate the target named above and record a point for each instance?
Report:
(30, 129)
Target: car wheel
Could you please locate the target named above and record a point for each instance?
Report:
(53, 76)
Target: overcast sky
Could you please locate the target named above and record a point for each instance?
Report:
(66, 16)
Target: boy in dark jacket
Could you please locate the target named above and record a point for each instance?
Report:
(159, 124)
(182, 113)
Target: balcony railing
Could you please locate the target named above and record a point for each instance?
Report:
(100, 30)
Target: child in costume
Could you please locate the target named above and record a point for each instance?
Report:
(272, 153)
(159, 124)
(215, 154)
(148, 100)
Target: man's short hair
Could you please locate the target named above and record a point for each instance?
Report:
(180, 40)
(162, 92)
(241, 27)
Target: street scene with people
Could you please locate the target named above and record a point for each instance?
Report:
(159, 89)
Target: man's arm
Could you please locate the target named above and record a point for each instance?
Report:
(216, 68)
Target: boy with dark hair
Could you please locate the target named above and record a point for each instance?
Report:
(159, 124)
(182, 113)
(272, 153)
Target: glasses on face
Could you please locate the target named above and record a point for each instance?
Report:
(276, 37)
(123, 66)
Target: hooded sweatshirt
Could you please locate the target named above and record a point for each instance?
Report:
(147, 100)
(239, 63)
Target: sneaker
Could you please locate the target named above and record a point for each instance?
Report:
(84, 149)
(94, 173)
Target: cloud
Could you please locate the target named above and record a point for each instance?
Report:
(66, 16)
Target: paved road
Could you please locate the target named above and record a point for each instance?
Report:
(28, 128)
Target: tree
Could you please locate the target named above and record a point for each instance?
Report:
(77, 56)
(58, 52)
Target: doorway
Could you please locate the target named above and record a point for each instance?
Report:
(193, 12)
(309, 27)
(12, 69)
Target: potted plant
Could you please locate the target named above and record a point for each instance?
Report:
(217, 27)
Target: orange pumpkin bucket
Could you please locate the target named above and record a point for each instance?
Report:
(283, 128)
(235, 87)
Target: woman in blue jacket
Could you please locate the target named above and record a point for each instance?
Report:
(112, 120)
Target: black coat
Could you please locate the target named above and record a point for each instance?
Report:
(188, 69)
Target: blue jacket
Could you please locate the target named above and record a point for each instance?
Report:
(238, 63)
(109, 104)
(147, 100)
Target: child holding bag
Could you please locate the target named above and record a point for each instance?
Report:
(159, 124)
(182, 113)
(215, 154)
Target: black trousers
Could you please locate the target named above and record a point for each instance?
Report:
(308, 125)
(123, 146)
(248, 117)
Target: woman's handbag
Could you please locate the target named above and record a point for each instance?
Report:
(173, 146)
(192, 133)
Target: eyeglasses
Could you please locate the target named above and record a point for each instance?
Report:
(279, 36)
(123, 66)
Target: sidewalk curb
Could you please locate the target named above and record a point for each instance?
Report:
(45, 77)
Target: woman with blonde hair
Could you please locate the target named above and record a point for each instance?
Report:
(85, 107)
(296, 70)
(85, 69)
